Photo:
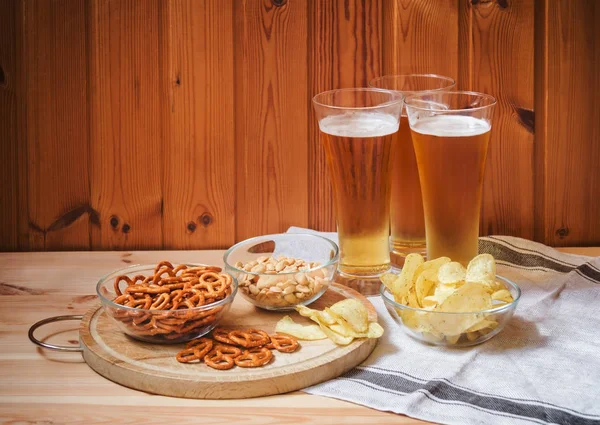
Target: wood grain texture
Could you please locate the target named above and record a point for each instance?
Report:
(9, 172)
(271, 117)
(569, 147)
(125, 159)
(496, 58)
(541, 124)
(197, 66)
(420, 37)
(57, 124)
(40, 385)
(112, 113)
(345, 50)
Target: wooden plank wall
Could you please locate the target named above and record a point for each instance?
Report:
(128, 124)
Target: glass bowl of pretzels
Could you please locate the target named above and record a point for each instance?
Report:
(167, 303)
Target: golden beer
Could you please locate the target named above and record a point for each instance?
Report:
(407, 222)
(451, 152)
(406, 209)
(357, 148)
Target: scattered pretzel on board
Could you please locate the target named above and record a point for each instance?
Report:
(222, 352)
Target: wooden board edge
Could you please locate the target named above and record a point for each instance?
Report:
(329, 366)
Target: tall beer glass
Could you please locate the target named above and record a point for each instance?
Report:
(407, 222)
(450, 133)
(356, 132)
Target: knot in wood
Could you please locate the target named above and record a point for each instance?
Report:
(206, 219)
(563, 232)
(114, 222)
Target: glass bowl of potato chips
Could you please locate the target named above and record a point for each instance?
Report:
(440, 302)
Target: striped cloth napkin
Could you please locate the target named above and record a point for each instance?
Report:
(543, 368)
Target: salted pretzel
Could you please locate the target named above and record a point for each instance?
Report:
(222, 356)
(195, 350)
(249, 338)
(177, 291)
(283, 343)
(213, 284)
(222, 335)
(254, 357)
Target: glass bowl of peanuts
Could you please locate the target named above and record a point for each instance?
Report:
(278, 272)
(167, 303)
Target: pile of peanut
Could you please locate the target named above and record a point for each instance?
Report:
(284, 281)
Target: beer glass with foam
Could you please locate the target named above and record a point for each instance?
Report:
(356, 132)
(450, 133)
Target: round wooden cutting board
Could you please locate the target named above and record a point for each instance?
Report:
(153, 368)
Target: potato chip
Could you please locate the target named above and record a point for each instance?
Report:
(441, 286)
(452, 339)
(482, 269)
(430, 265)
(389, 280)
(352, 312)
(375, 330)
(451, 273)
(412, 301)
(502, 295)
(305, 332)
(440, 294)
(342, 330)
(484, 323)
(336, 337)
(323, 316)
(472, 336)
(455, 324)
(471, 297)
(343, 321)
(405, 281)
(426, 280)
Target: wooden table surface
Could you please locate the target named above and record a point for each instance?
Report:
(46, 387)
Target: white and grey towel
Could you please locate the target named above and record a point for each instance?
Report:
(543, 368)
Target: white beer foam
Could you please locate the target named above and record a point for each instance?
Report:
(451, 126)
(360, 124)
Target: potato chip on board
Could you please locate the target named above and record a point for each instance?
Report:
(343, 321)
(323, 316)
(305, 332)
(352, 312)
(336, 337)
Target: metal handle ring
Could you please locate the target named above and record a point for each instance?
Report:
(52, 320)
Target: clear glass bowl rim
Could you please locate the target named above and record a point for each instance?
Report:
(140, 267)
(383, 291)
(332, 261)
